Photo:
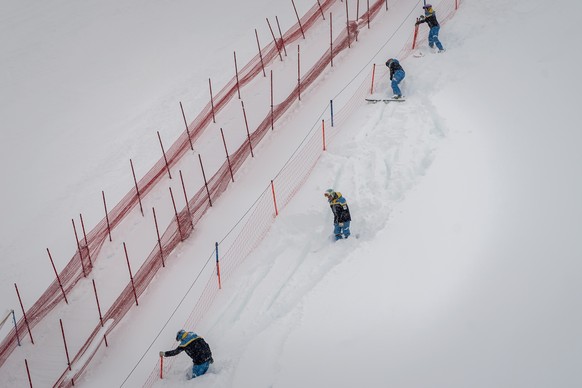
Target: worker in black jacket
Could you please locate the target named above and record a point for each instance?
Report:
(397, 74)
(429, 18)
(196, 348)
(341, 214)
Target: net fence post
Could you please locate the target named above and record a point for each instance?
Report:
(217, 266)
(24, 314)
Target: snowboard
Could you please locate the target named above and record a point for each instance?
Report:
(420, 54)
(385, 100)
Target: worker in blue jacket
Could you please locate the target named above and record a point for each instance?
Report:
(196, 348)
(429, 18)
(341, 214)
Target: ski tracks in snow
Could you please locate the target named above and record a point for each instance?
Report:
(260, 310)
(385, 149)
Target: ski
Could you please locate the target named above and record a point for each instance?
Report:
(385, 100)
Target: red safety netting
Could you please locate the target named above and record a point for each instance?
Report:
(90, 247)
(81, 262)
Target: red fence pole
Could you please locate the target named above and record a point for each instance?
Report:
(161, 367)
(298, 20)
(331, 39)
(211, 100)
(176, 213)
(130, 274)
(106, 214)
(86, 241)
(281, 35)
(185, 195)
(456, 5)
(272, 112)
(298, 73)
(247, 126)
(24, 314)
(415, 35)
(373, 74)
(274, 198)
(323, 133)
(98, 305)
(227, 157)
(164, 152)
(79, 248)
(274, 39)
(65, 342)
(236, 74)
(187, 130)
(217, 267)
(357, 9)
(99, 309)
(348, 24)
(205, 182)
(135, 180)
(260, 53)
(186, 198)
(28, 372)
(159, 240)
(320, 10)
(368, 5)
(57, 275)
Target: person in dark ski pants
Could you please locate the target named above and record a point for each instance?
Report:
(397, 74)
(196, 348)
(341, 214)
(429, 18)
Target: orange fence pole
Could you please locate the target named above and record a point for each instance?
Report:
(217, 267)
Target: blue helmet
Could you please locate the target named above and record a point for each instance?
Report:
(180, 334)
(391, 61)
(427, 6)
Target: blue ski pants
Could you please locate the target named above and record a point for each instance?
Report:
(396, 79)
(341, 231)
(433, 38)
(199, 370)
